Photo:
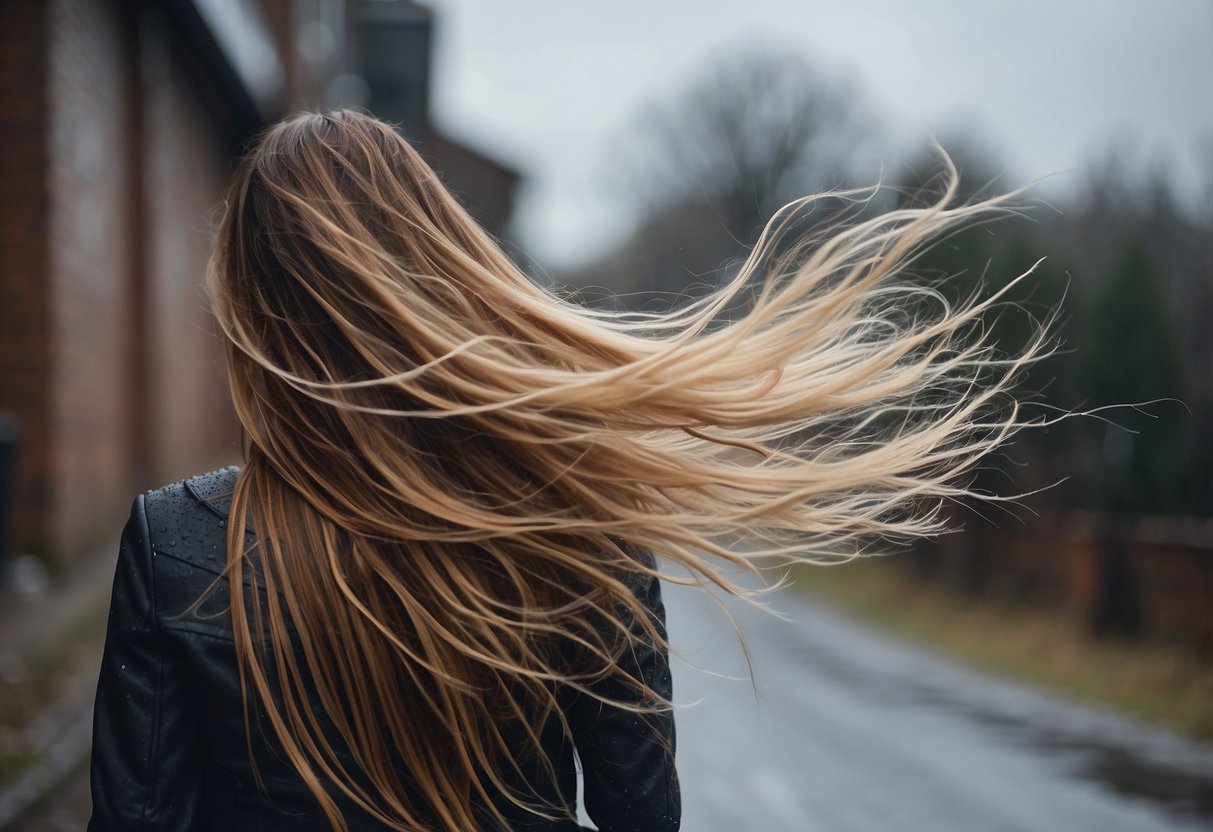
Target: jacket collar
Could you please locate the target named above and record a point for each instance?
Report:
(214, 490)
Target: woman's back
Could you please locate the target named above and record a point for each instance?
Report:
(170, 715)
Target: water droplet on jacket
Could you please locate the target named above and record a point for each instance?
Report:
(172, 543)
(222, 523)
(185, 535)
(123, 667)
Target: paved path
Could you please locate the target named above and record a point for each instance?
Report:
(850, 730)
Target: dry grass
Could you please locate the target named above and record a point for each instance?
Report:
(1162, 684)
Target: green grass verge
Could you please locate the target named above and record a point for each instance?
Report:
(1166, 685)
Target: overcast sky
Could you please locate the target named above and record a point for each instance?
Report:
(551, 87)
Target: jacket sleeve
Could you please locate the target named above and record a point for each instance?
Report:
(627, 759)
(146, 728)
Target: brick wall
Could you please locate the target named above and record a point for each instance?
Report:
(24, 310)
(112, 160)
(186, 171)
(89, 271)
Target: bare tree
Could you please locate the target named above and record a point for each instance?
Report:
(711, 164)
(753, 131)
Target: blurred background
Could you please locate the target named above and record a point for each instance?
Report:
(630, 153)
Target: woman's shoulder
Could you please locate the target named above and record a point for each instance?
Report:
(204, 498)
(212, 489)
(187, 535)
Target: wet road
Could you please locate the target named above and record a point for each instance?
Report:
(849, 730)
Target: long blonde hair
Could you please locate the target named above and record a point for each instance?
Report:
(456, 474)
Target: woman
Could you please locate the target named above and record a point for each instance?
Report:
(454, 486)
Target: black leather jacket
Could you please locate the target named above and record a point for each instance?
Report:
(169, 742)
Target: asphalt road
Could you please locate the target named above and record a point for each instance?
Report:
(846, 729)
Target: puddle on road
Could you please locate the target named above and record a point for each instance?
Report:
(1178, 789)
(1182, 792)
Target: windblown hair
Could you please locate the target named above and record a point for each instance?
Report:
(456, 476)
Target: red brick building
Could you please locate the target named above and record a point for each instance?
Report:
(118, 129)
